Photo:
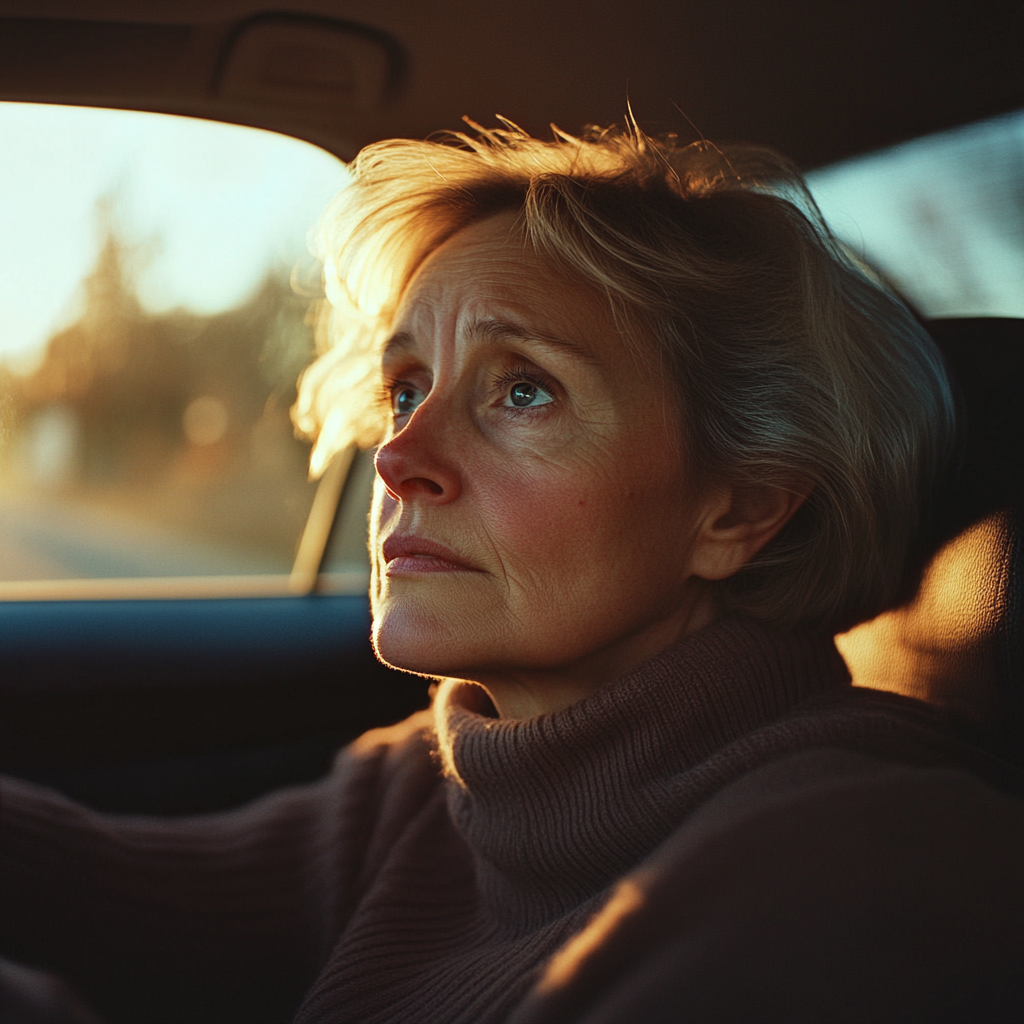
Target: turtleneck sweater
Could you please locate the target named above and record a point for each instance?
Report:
(459, 867)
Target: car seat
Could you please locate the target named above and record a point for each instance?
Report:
(957, 642)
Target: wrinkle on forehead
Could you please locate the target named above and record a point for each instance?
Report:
(487, 284)
(490, 288)
(497, 329)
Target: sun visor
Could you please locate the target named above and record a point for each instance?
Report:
(285, 61)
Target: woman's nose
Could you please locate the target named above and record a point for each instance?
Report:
(416, 463)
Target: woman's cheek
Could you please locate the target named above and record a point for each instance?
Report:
(544, 516)
(382, 509)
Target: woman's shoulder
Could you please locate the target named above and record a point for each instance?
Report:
(877, 771)
(385, 776)
(842, 884)
(398, 755)
(411, 739)
(887, 727)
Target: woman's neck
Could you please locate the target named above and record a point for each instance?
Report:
(556, 807)
(526, 693)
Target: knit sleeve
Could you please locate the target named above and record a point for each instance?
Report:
(223, 917)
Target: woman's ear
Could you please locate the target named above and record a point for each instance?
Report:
(737, 522)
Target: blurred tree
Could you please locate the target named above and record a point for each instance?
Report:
(128, 376)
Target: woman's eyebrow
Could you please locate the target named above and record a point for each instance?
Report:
(496, 329)
(399, 342)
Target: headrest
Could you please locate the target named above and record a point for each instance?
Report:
(958, 642)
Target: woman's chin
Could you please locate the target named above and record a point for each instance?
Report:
(417, 643)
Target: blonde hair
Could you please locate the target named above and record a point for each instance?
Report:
(793, 364)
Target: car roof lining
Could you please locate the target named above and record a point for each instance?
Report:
(820, 82)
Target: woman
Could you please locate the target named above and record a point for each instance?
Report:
(647, 439)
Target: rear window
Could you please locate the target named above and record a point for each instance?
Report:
(942, 217)
(155, 284)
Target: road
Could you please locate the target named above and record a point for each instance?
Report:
(53, 537)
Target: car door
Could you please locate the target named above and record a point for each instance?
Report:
(183, 613)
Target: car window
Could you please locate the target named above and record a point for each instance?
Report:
(941, 217)
(155, 287)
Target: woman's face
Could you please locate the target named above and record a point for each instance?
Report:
(531, 527)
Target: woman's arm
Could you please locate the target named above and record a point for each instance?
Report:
(219, 917)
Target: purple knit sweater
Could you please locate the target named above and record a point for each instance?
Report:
(728, 832)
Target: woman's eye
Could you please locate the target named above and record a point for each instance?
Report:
(524, 395)
(405, 399)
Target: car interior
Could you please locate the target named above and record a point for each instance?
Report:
(178, 691)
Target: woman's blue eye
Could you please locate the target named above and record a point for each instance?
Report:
(405, 399)
(523, 395)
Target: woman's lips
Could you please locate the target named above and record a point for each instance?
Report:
(404, 554)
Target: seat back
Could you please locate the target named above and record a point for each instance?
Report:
(958, 642)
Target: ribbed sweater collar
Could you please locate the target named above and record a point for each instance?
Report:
(555, 808)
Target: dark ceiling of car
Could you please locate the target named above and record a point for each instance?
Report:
(818, 81)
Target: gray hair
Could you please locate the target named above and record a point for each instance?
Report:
(795, 366)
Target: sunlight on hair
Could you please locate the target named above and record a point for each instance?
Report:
(406, 197)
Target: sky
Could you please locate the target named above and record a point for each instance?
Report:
(213, 207)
